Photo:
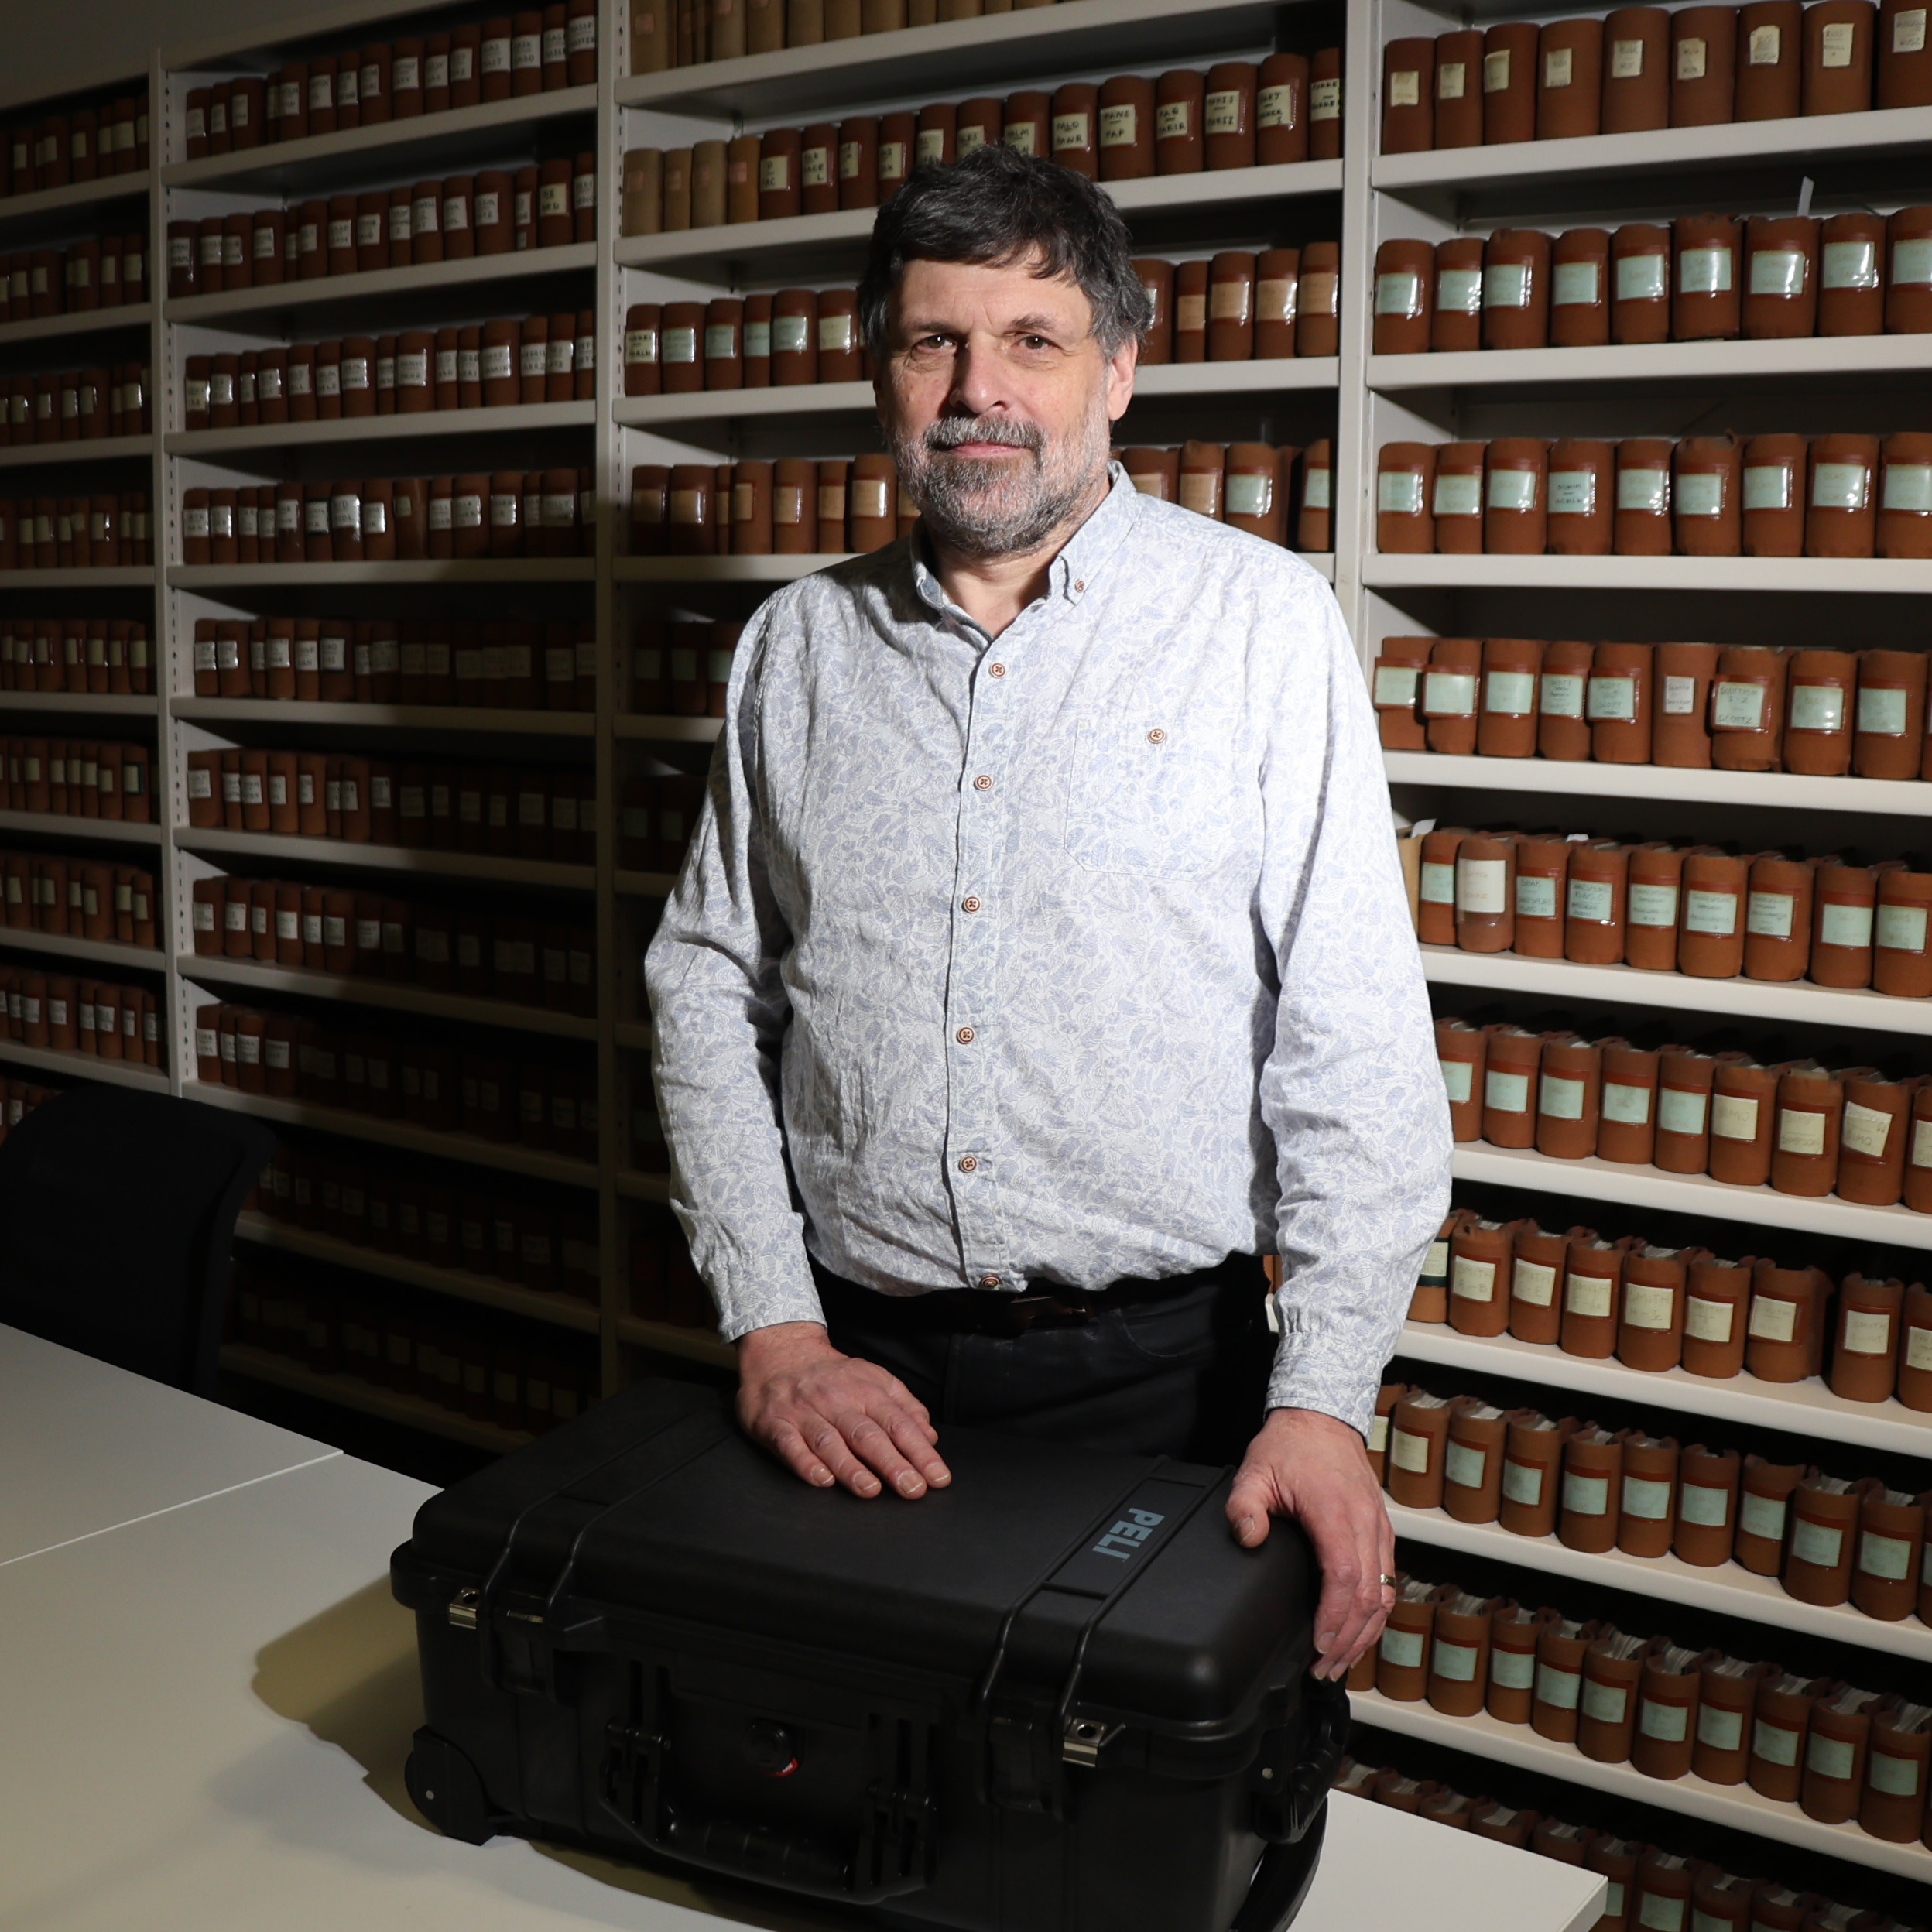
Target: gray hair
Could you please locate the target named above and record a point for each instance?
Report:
(996, 206)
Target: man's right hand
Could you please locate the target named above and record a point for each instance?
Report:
(832, 1418)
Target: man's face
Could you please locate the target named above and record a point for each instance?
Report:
(997, 401)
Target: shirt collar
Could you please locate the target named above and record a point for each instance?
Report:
(1075, 570)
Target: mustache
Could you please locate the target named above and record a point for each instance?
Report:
(949, 431)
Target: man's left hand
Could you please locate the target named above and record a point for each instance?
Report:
(1313, 1468)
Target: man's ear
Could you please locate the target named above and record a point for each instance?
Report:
(1121, 366)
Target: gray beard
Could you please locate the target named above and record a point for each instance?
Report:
(977, 513)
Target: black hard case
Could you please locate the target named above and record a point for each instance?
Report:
(1055, 1697)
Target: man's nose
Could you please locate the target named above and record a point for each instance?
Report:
(978, 377)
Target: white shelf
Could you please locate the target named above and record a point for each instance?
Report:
(451, 569)
(1727, 362)
(1726, 1589)
(398, 995)
(422, 718)
(646, 885)
(394, 428)
(1737, 1805)
(123, 704)
(1583, 779)
(1624, 985)
(111, 577)
(954, 57)
(424, 144)
(470, 1148)
(42, 208)
(695, 1344)
(398, 858)
(1793, 145)
(1806, 1408)
(721, 570)
(78, 1066)
(825, 245)
(1263, 375)
(104, 952)
(1873, 576)
(372, 285)
(1636, 1188)
(671, 731)
(251, 1225)
(121, 831)
(636, 1187)
(99, 449)
(351, 1391)
(43, 328)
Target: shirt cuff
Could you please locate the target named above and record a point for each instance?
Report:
(1306, 1376)
(757, 1276)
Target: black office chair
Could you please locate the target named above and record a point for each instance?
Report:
(116, 1212)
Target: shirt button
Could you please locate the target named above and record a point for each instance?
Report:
(996, 670)
(969, 1163)
(1080, 583)
(1157, 736)
(969, 905)
(964, 1036)
(989, 1281)
(982, 783)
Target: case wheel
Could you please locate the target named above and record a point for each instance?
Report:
(444, 1786)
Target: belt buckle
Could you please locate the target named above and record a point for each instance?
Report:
(1027, 1311)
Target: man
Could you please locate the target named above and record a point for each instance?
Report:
(1041, 958)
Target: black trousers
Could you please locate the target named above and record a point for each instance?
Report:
(1183, 1375)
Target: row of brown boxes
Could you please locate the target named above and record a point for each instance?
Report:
(1282, 495)
(77, 778)
(1647, 1887)
(77, 654)
(380, 519)
(57, 150)
(107, 532)
(1840, 495)
(1829, 1540)
(540, 358)
(77, 898)
(77, 406)
(478, 954)
(1657, 1308)
(62, 1014)
(537, 1102)
(663, 1281)
(457, 1356)
(490, 663)
(107, 272)
(1236, 115)
(1840, 1754)
(1744, 708)
(1642, 68)
(681, 666)
(18, 1099)
(500, 211)
(497, 58)
(656, 816)
(1793, 1125)
(512, 811)
(1703, 278)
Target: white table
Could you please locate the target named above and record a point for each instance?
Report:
(85, 1447)
(206, 1715)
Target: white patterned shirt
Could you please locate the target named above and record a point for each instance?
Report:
(1073, 956)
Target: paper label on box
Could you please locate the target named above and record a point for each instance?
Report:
(1435, 1266)
(1505, 284)
(1653, 905)
(1668, 1723)
(1456, 1662)
(1399, 493)
(1561, 1099)
(1840, 486)
(1626, 60)
(1534, 1282)
(1646, 1306)
(1409, 1452)
(1769, 915)
(1715, 913)
(1573, 493)
(1762, 1516)
(1558, 65)
(1452, 79)
(1836, 44)
(1642, 278)
(1626, 1106)
(1830, 1757)
(1778, 272)
(1901, 929)
(1605, 1703)
(1848, 265)
(1513, 1669)
(1722, 1730)
(1496, 71)
(1896, 1777)
(1399, 294)
(1917, 1352)
(1325, 101)
(1118, 128)
(1889, 1558)
(1817, 1543)
(1459, 291)
(1765, 47)
(1482, 886)
(1171, 121)
(1315, 489)
(1700, 493)
(1868, 1331)
(1647, 490)
(1767, 486)
(1457, 496)
(1405, 89)
(1506, 1093)
(1522, 1483)
(1586, 1495)
(1613, 699)
(1536, 896)
(1817, 708)
(1464, 1466)
(1512, 489)
(1509, 694)
(1772, 1319)
(1845, 926)
(1590, 1295)
(1907, 487)
(1707, 1508)
(1248, 494)
(1378, 1435)
(1734, 1117)
(1691, 58)
(1401, 1649)
(1908, 30)
(1571, 282)
(1800, 1131)
(1438, 883)
(1774, 1743)
(1557, 1688)
(1456, 1077)
(1649, 1500)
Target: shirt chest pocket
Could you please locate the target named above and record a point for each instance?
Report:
(1158, 798)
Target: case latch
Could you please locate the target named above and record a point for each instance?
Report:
(1084, 1739)
(463, 1606)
